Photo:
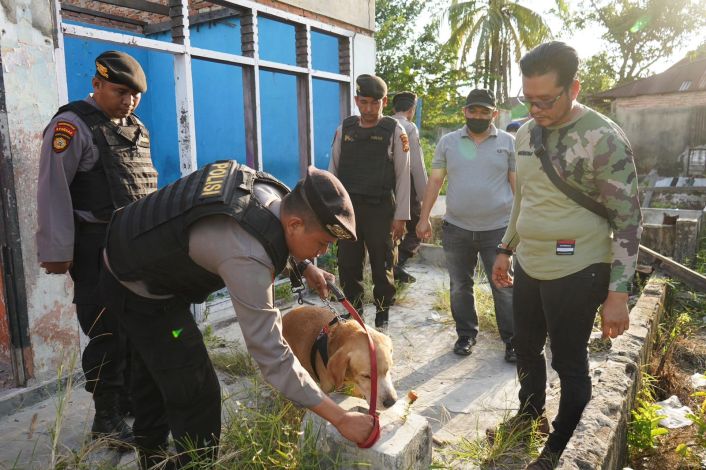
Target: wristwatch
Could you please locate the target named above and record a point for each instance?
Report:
(500, 250)
(302, 265)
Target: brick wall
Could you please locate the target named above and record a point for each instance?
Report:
(669, 100)
(194, 8)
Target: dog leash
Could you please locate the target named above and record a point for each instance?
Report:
(375, 434)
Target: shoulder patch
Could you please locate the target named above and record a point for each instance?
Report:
(63, 133)
(405, 142)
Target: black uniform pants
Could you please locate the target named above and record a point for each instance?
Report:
(174, 385)
(410, 242)
(564, 309)
(373, 221)
(104, 359)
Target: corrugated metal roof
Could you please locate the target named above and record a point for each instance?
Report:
(684, 76)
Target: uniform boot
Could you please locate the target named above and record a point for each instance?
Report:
(381, 319)
(156, 459)
(108, 421)
(400, 274)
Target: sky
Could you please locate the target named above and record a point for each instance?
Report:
(588, 42)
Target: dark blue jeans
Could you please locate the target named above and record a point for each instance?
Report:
(564, 309)
(462, 248)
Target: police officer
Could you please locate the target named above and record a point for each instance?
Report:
(95, 157)
(225, 224)
(370, 154)
(405, 106)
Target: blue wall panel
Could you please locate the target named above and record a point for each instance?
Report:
(327, 116)
(280, 135)
(222, 35)
(218, 108)
(218, 97)
(158, 106)
(277, 41)
(324, 52)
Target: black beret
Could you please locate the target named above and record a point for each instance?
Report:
(121, 68)
(370, 86)
(481, 97)
(404, 99)
(330, 202)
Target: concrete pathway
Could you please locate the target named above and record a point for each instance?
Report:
(460, 396)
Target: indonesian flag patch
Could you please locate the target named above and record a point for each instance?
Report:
(63, 133)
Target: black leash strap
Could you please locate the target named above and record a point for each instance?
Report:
(538, 140)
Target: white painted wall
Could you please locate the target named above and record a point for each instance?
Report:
(32, 99)
(363, 58)
(359, 13)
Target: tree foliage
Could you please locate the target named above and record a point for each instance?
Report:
(639, 32)
(492, 35)
(596, 74)
(410, 57)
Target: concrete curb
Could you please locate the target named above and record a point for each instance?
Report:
(20, 398)
(599, 441)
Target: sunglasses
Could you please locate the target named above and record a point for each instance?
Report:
(541, 104)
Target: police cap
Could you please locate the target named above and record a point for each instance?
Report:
(480, 97)
(404, 100)
(121, 68)
(330, 202)
(370, 86)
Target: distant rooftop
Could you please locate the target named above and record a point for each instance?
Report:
(684, 76)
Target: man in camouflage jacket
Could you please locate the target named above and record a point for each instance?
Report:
(568, 260)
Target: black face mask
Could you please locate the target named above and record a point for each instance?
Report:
(477, 126)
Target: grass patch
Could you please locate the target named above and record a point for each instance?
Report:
(511, 448)
(283, 292)
(485, 306)
(234, 361)
(264, 432)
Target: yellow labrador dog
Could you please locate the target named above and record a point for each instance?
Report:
(311, 335)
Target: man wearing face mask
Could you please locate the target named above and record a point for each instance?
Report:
(479, 162)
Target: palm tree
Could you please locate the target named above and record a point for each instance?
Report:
(499, 30)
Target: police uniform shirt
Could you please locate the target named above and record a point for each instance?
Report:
(220, 245)
(398, 150)
(67, 147)
(416, 157)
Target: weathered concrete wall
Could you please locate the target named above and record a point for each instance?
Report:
(360, 13)
(28, 54)
(660, 127)
(599, 441)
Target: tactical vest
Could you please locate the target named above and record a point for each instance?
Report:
(123, 173)
(364, 167)
(148, 240)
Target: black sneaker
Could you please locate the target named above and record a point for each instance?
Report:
(510, 355)
(464, 345)
(547, 460)
(403, 276)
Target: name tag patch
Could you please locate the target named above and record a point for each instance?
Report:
(216, 177)
(565, 247)
(525, 152)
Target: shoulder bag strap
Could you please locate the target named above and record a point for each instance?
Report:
(537, 139)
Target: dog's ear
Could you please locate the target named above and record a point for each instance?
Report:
(338, 365)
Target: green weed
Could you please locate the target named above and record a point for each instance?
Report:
(644, 427)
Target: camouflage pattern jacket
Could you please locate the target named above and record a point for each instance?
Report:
(553, 235)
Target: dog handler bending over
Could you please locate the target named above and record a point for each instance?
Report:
(222, 225)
